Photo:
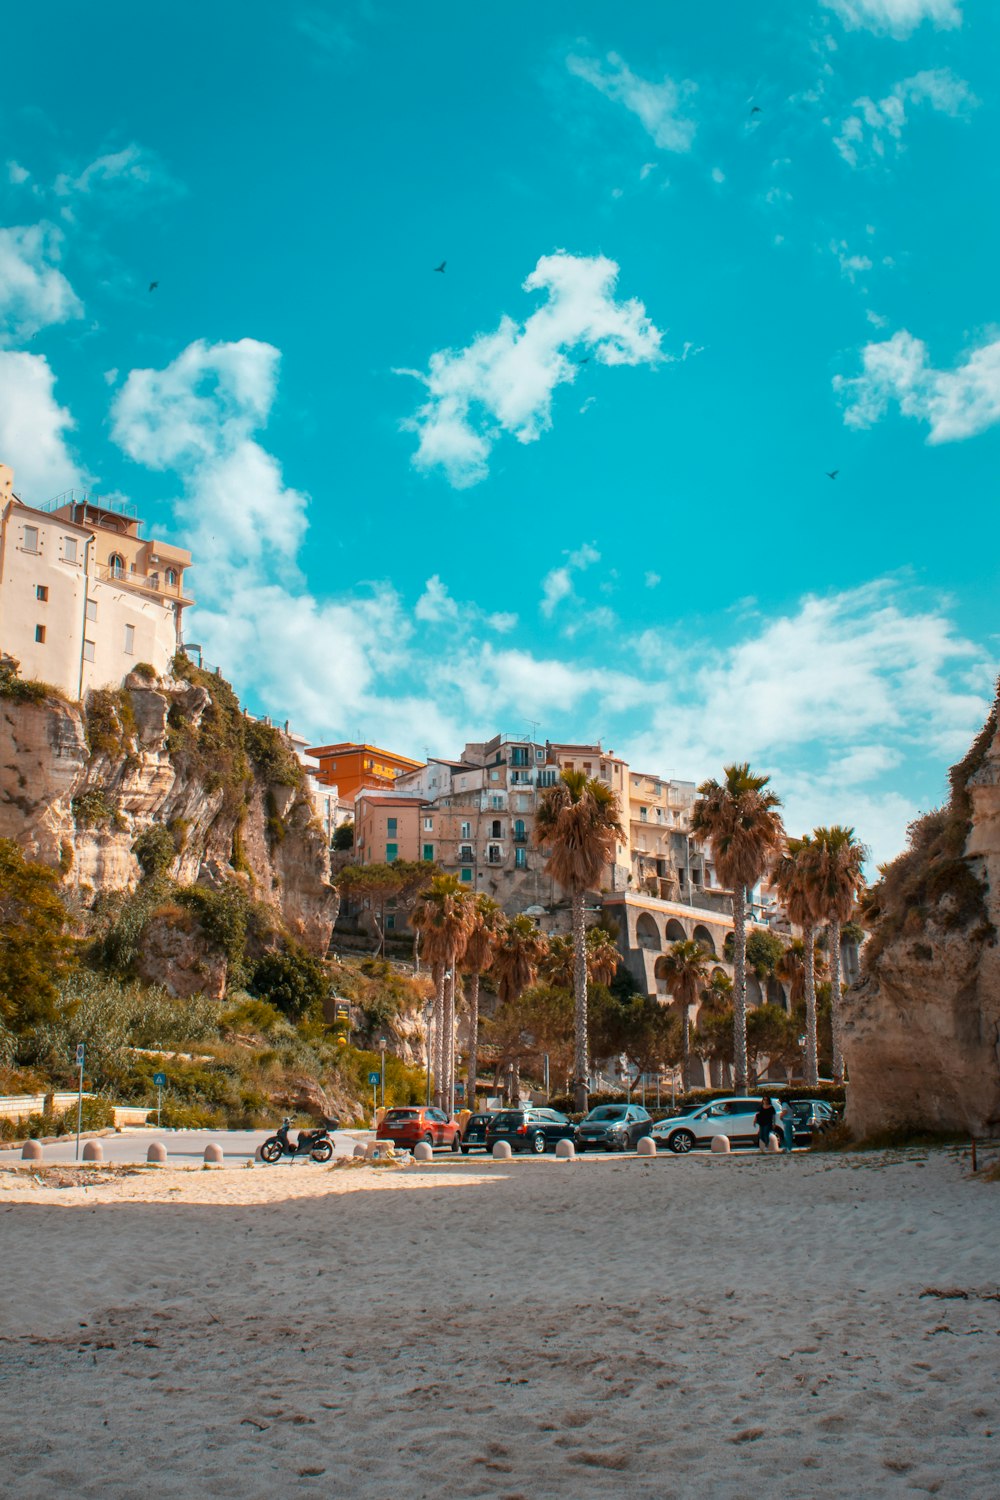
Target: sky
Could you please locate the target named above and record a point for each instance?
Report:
(696, 261)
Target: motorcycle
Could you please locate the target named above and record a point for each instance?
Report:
(314, 1143)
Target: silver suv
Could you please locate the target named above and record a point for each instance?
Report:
(696, 1127)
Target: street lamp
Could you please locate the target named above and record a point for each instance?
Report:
(381, 1070)
(428, 1018)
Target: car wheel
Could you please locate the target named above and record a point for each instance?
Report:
(429, 1140)
(466, 1150)
(681, 1142)
(538, 1144)
(456, 1142)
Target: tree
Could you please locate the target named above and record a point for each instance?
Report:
(444, 916)
(518, 951)
(487, 916)
(293, 981)
(685, 971)
(741, 822)
(35, 951)
(715, 1037)
(378, 884)
(716, 1000)
(840, 879)
(651, 1036)
(771, 1033)
(579, 821)
(795, 876)
(343, 837)
(603, 959)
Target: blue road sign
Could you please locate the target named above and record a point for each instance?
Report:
(374, 1077)
(79, 1055)
(160, 1079)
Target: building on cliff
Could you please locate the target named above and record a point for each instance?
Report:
(351, 767)
(84, 596)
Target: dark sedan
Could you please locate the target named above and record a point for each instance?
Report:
(535, 1130)
(474, 1134)
(613, 1127)
(812, 1117)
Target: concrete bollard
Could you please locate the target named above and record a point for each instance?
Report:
(646, 1146)
(213, 1155)
(157, 1154)
(720, 1144)
(258, 1154)
(93, 1151)
(360, 1149)
(773, 1145)
(31, 1151)
(501, 1151)
(380, 1150)
(423, 1152)
(565, 1150)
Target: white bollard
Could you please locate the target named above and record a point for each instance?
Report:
(360, 1149)
(423, 1152)
(213, 1155)
(773, 1145)
(157, 1153)
(501, 1150)
(565, 1150)
(93, 1151)
(720, 1144)
(646, 1146)
(31, 1151)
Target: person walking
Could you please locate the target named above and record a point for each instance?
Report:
(764, 1121)
(788, 1125)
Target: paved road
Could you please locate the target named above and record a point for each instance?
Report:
(186, 1147)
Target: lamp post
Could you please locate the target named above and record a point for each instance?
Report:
(381, 1071)
(428, 1019)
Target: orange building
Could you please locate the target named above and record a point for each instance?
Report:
(353, 768)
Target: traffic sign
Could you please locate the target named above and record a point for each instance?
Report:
(342, 1011)
(79, 1054)
(160, 1079)
(373, 1078)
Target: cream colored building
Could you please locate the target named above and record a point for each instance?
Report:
(84, 597)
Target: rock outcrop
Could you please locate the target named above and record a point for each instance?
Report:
(922, 1025)
(80, 787)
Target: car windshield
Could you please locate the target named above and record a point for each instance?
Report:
(480, 1119)
(607, 1112)
(401, 1114)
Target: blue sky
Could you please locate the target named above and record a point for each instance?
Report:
(697, 256)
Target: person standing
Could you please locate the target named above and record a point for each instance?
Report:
(764, 1121)
(788, 1125)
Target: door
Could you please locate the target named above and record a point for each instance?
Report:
(739, 1122)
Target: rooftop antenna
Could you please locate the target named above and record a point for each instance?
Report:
(534, 729)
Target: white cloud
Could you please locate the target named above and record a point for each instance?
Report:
(851, 265)
(718, 175)
(132, 167)
(435, 605)
(33, 428)
(502, 621)
(955, 404)
(877, 131)
(557, 585)
(34, 293)
(658, 106)
(875, 319)
(503, 382)
(17, 174)
(896, 18)
(652, 580)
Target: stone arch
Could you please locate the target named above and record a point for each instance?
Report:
(647, 934)
(776, 994)
(702, 935)
(754, 996)
(675, 931)
(116, 565)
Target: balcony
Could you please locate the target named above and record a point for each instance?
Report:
(146, 583)
(520, 838)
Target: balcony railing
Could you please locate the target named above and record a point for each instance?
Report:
(149, 583)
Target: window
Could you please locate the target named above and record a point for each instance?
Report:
(428, 824)
(69, 549)
(465, 853)
(466, 832)
(390, 921)
(494, 775)
(519, 833)
(496, 803)
(466, 877)
(91, 609)
(539, 754)
(642, 815)
(41, 593)
(520, 859)
(129, 639)
(88, 651)
(31, 539)
(391, 853)
(40, 634)
(496, 831)
(519, 755)
(171, 578)
(428, 852)
(116, 565)
(390, 826)
(494, 854)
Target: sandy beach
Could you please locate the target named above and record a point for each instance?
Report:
(615, 1327)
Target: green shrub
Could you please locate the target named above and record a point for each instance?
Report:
(109, 721)
(94, 808)
(155, 850)
(146, 670)
(271, 756)
(293, 981)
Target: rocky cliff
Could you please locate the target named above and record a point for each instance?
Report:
(164, 772)
(922, 1026)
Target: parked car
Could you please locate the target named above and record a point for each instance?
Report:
(528, 1129)
(474, 1134)
(732, 1117)
(410, 1125)
(811, 1117)
(615, 1127)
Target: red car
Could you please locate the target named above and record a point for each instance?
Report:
(411, 1124)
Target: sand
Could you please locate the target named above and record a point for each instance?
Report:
(612, 1327)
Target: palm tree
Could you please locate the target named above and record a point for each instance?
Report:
(579, 820)
(518, 951)
(443, 917)
(603, 959)
(840, 859)
(716, 1000)
(487, 916)
(795, 876)
(741, 822)
(684, 969)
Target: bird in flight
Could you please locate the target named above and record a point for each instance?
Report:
(441, 267)
(153, 285)
(585, 360)
(755, 110)
(831, 473)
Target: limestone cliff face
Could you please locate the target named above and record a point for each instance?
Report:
(922, 1026)
(78, 788)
